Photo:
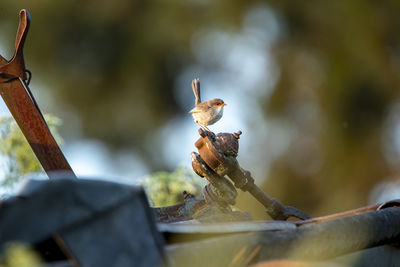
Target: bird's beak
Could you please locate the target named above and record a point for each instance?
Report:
(224, 104)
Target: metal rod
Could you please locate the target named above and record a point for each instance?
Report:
(274, 207)
(341, 214)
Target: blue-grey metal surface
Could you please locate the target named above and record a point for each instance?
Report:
(100, 223)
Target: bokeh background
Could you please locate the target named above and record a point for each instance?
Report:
(313, 85)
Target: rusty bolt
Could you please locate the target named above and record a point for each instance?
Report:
(237, 135)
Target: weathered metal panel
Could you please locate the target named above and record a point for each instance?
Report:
(101, 223)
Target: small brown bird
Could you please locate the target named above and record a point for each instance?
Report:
(208, 112)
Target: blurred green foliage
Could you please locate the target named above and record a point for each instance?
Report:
(339, 80)
(17, 156)
(166, 188)
(18, 254)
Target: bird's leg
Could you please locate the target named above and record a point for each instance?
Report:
(202, 126)
(206, 128)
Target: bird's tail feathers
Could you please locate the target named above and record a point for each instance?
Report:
(196, 90)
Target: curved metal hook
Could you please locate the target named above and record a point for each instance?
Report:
(24, 23)
(15, 68)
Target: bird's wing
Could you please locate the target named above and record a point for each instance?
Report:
(194, 110)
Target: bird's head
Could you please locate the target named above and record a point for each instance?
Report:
(217, 102)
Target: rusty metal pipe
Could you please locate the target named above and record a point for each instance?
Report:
(273, 207)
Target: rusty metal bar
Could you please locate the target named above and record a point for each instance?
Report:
(274, 207)
(341, 214)
(313, 241)
(16, 94)
(34, 128)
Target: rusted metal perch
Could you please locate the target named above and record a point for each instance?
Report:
(217, 159)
